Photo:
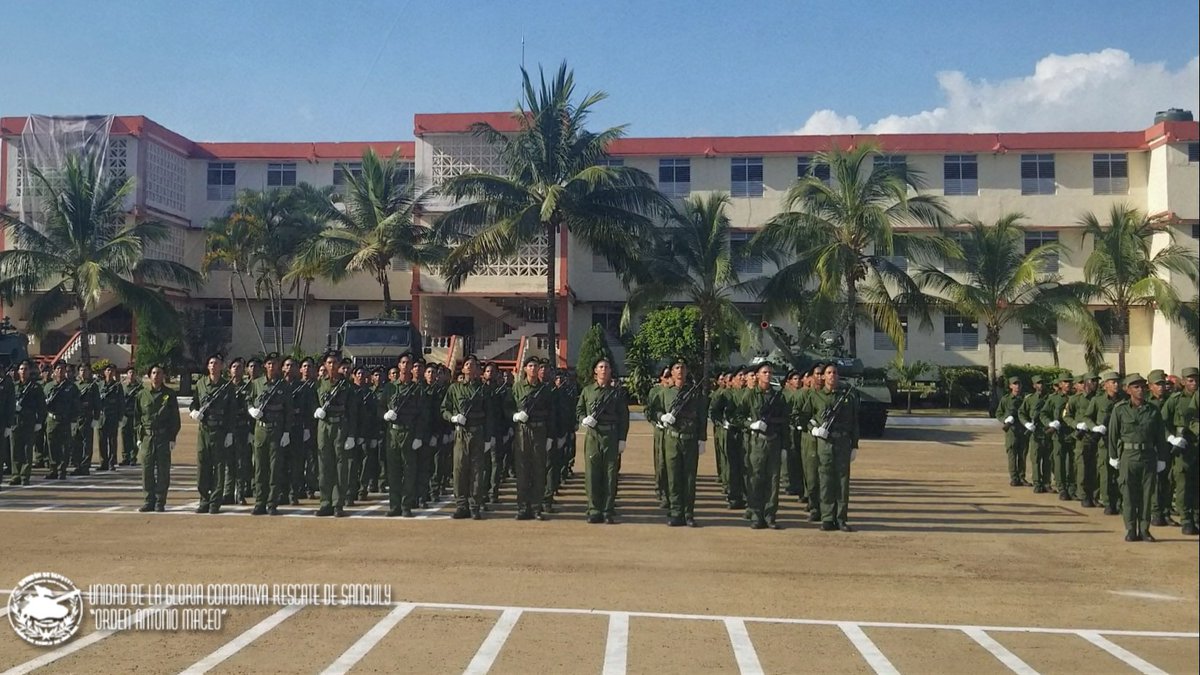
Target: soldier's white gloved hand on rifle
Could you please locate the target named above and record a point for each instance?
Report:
(1114, 463)
(1055, 425)
(37, 427)
(1009, 419)
(520, 416)
(285, 440)
(703, 447)
(254, 412)
(1029, 426)
(459, 419)
(229, 439)
(1177, 441)
(589, 422)
(853, 454)
(820, 432)
(724, 425)
(1099, 429)
(349, 444)
(196, 415)
(307, 435)
(52, 416)
(95, 424)
(1160, 466)
(171, 446)
(8, 432)
(549, 444)
(319, 413)
(667, 419)
(758, 425)
(417, 443)
(1081, 426)
(390, 415)
(489, 444)
(620, 447)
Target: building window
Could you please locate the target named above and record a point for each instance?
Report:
(899, 261)
(883, 342)
(407, 172)
(402, 310)
(1195, 230)
(746, 177)
(218, 314)
(610, 161)
(600, 264)
(962, 333)
(222, 177)
(340, 170)
(1034, 239)
(340, 313)
(608, 317)
(399, 264)
(287, 323)
(959, 238)
(1110, 173)
(738, 243)
(675, 177)
(1193, 152)
(961, 174)
(1110, 330)
(898, 163)
(281, 175)
(807, 163)
(1037, 174)
(1032, 338)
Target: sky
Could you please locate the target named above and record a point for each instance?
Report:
(271, 70)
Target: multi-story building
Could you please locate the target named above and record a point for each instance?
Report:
(1052, 178)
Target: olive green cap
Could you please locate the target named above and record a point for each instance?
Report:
(1014, 380)
(1190, 372)
(1036, 379)
(1134, 378)
(1110, 375)
(1156, 376)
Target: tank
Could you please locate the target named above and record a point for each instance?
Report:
(14, 345)
(874, 396)
(378, 342)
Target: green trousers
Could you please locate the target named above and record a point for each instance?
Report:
(1164, 489)
(270, 462)
(334, 461)
(529, 461)
(1186, 468)
(791, 468)
(554, 464)
(834, 456)
(402, 462)
(129, 447)
(83, 444)
(1015, 445)
(1137, 491)
(680, 456)
(1086, 479)
(763, 455)
(58, 444)
(155, 457)
(661, 487)
(1108, 478)
(22, 443)
(1041, 456)
(1064, 464)
(211, 463)
(719, 436)
(812, 470)
(470, 481)
(600, 452)
(735, 465)
(108, 444)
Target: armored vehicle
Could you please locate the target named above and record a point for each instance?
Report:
(378, 342)
(14, 346)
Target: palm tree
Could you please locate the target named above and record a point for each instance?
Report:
(375, 221)
(1123, 272)
(907, 374)
(1002, 284)
(551, 182)
(231, 244)
(844, 234)
(698, 267)
(83, 248)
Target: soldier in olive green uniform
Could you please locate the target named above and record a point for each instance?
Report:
(133, 386)
(302, 472)
(435, 465)
(407, 418)
(1086, 442)
(558, 429)
(240, 468)
(29, 410)
(837, 445)
(1137, 445)
(467, 407)
(7, 422)
(62, 408)
(652, 410)
(212, 407)
(683, 413)
(532, 408)
(1158, 395)
(1062, 449)
(112, 406)
(272, 412)
(1039, 453)
(804, 421)
(86, 422)
(158, 424)
(766, 415)
(727, 417)
(1096, 413)
(791, 466)
(568, 390)
(603, 413)
(1183, 424)
(718, 430)
(336, 416)
(1014, 433)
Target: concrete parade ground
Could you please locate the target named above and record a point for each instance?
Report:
(950, 571)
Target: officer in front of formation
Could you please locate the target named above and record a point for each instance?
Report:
(1137, 444)
(212, 407)
(29, 409)
(1008, 412)
(157, 419)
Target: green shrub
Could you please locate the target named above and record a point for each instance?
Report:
(1026, 372)
(99, 365)
(965, 385)
(664, 334)
(594, 347)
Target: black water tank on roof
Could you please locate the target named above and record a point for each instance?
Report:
(1173, 115)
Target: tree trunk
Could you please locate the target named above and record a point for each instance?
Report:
(85, 350)
(302, 317)
(250, 310)
(910, 388)
(993, 338)
(386, 283)
(551, 298)
(852, 303)
(1122, 327)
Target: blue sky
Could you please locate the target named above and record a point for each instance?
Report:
(358, 70)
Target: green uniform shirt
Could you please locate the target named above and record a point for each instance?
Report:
(157, 414)
(1137, 432)
(112, 403)
(1031, 411)
(845, 420)
(608, 405)
(304, 402)
(408, 401)
(537, 401)
(218, 401)
(129, 400)
(691, 416)
(766, 406)
(1010, 406)
(337, 398)
(29, 403)
(89, 402)
(473, 401)
(62, 402)
(274, 399)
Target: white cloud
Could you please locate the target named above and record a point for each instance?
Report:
(1100, 91)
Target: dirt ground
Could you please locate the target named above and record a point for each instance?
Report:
(950, 571)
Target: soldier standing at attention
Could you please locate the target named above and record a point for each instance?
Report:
(603, 412)
(791, 468)
(1097, 414)
(87, 422)
(158, 425)
(335, 418)
(62, 407)
(1030, 416)
(29, 410)
(685, 424)
(112, 405)
(1014, 433)
(1137, 445)
(272, 413)
(766, 416)
(238, 462)
(407, 418)
(725, 410)
(804, 420)
(466, 406)
(714, 404)
(1186, 426)
(7, 421)
(837, 447)
(302, 470)
(1057, 431)
(1159, 395)
(559, 426)
(133, 386)
(652, 410)
(1085, 441)
(212, 408)
(532, 407)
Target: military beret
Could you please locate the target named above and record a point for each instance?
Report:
(679, 360)
(346, 362)
(236, 360)
(307, 359)
(1014, 380)
(254, 359)
(792, 373)
(759, 367)
(531, 359)
(1190, 372)
(1134, 378)
(216, 355)
(1110, 375)
(1156, 376)
(1036, 379)
(1065, 377)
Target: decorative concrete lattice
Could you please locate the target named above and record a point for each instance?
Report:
(456, 155)
(166, 179)
(118, 159)
(170, 248)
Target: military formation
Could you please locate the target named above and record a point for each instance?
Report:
(1126, 445)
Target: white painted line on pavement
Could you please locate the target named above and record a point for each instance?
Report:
(1132, 660)
(362, 512)
(999, 651)
(874, 658)
(1147, 595)
(743, 649)
(616, 647)
(237, 644)
(75, 645)
(368, 641)
(490, 649)
(433, 508)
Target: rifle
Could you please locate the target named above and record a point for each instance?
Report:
(603, 400)
(398, 402)
(465, 407)
(768, 404)
(54, 394)
(684, 398)
(213, 396)
(532, 397)
(332, 393)
(831, 412)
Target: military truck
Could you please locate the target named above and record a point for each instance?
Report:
(378, 342)
(874, 396)
(14, 346)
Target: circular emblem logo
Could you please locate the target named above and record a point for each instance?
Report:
(45, 609)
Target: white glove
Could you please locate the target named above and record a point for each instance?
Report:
(1100, 429)
(520, 416)
(374, 445)
(1008, 420)
(1161, 466)
(659, 425)
(724, 425)
(667, 419)
(18, 407)
(459, 419)
(285, 440)
(390, 416)
(95, 424)
(1029, 426)
(254, 412)
(1055, 425)
(432, 440)
(319, 414)
(51, 415)
(489, 444)
(196, 415)
(37, 427)
(853, 454)
(417, 443)
(549, 444)
(758, 425)
(229, 439)
(1081, 426)
(703, 447)
(620, 447)
(171, 446)
(589, 422)
(1116, 464)
(1177, 441)
(8, 432)
(821, 432)
(349, 444)
(307, 435)
(360, 442)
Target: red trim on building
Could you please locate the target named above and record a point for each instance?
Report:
(309, 152)
(562, 333)
(414, 291)
(562, 262)
(457, 123)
